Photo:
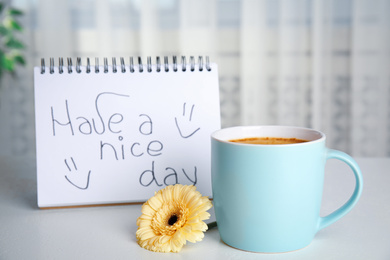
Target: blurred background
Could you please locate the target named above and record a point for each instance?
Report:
(323, 64)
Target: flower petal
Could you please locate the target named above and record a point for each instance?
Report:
(177, 192)
(145, 233)
(204, 215)
(148, 210)
(144, 223)
(164, 239)
(167, 195)
(199, 226)
(194, 236)
(155, 202)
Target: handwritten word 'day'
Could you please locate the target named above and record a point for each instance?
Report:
(171, 176)
(88, 126)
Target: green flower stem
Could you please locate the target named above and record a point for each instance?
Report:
(212, 225)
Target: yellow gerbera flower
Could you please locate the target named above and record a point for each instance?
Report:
(172, 216)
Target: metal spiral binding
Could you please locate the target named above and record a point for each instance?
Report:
(174, 63)
(183, 63)
(131, 65)
(166, 64)
(43, 66)
(61, 65)
(88, 69)
(192, 63)
(132, 68)
(114, 65)
(105, 65)
(51, 68)
(208, 68)
(78, 65)
(149, 64)
(140, 66)
(158, 64)
(70, 70)
(123, 66)
(200, 63)
(96, 65)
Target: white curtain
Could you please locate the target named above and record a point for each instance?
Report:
(323, 64)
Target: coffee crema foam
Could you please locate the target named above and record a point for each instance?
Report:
(268, 140)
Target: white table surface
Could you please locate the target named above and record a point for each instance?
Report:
(27, 232)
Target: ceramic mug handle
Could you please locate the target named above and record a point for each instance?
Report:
(340, 212)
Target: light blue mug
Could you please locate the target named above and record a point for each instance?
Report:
(267, 198)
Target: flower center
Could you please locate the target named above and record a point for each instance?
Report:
(172, 220)
(169, 218)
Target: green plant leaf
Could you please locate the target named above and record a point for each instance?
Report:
(1, 59)
(10, 57)
(3, 31)
(8, 64)
(15, 12)
(19, 59)
(12, 24)
(14, 44)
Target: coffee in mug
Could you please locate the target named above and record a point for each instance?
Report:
(268, 140)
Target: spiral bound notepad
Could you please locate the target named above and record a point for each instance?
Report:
(115, 133)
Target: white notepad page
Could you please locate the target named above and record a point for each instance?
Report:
(106, 138)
